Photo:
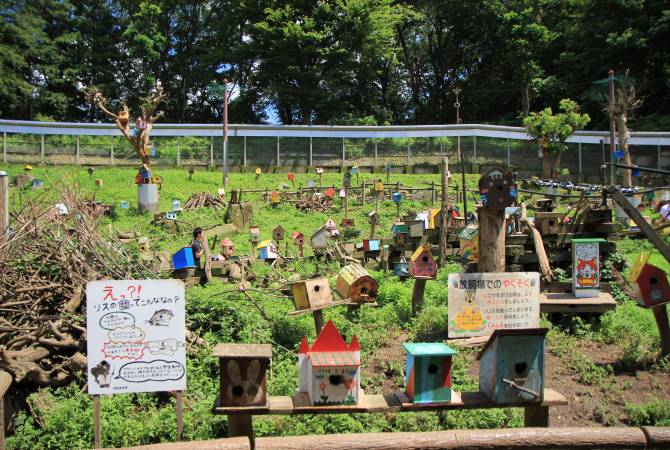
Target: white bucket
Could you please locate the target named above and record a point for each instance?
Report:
(147, 198)
(620, 214)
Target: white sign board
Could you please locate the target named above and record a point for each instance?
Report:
(135, 333)
(480, 303)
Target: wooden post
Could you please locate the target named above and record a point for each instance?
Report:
(491, 240)
(397, 205)
(445, 207)
(417, 296)
(4, 148)
(433, 195)
(211, 150)
(344, 156)
(363, 191)
(536, 416)
(111, 151)
(178, 153)
(42, 148)
(661, 316)
(4, 207)
(346, 202)
(240, 425)
(180, 416)
(244, 152)
(277, 150)
(96, 422)
(77, 158)
(318, 320)
(310, 151)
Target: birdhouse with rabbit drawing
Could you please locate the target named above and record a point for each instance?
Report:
(422, 264)
(497, 188)
(329, 369)
(242, 374)
(278, 233)
(356, 284)
(428, 372)
(511, 366)
(651, 283)
(313, 294)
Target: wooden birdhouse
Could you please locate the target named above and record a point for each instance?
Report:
(298, 238)
(379, 187)
(422, 264)
(227, 248)
(124, 204)
(399, 227)
(275, 197)
(548, 222)
(586, 267)
(342, 193)
(222, 193)
(346, 222)
(278, 233)
(497, 188)
(254, 234)
(396, 197)
(651, 283)
(434, 218)
(171, 215)
(98, 182)
(356, 284)
(176, 205)
(330, 224)
(401, 269)
(319, 170)
(311, 183)
(319, 239)
(373, 218)
(598, 216)
(371, 245)
(267, 249)
(312, 294)
(143, 244)
(354, 170)
(544, 205)
(511, 366)
(330, 369)
(290, 176)
(346, 179)
(329, 192)
(425, 221)
(258, 171)
(414, 228)
(242, 374)
(428, 372)
(469, 243)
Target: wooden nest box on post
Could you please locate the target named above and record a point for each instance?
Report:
(242, 374)
(651, 283)
(511, 366)
(356, 284)
(312, 294)
(422, 263)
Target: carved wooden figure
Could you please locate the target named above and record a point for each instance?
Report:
(428, 372)
(356, 284)
(497, 188)
(511, 366)
(242, 374)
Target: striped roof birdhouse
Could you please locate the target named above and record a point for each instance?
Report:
(314, 294)
(651, 283)
(330, 369)
(511, 366)
(242, 372)
(422, 264)
(356, 284)
(428, 372)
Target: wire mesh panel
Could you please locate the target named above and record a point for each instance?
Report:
(327, 151)
(95, 150)
(23, 148)
(262, 151)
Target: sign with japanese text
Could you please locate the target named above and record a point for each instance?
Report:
(480, 303)
(135, 332)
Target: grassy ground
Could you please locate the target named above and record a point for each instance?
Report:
(607, 368)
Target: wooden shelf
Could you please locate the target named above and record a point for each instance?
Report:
(387, 403)
(560, 302)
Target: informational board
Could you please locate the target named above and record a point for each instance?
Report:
(480, 303)
(136, 334)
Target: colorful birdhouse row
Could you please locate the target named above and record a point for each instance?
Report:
(651, 283)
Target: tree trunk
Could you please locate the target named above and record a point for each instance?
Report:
(525, 99)
(555, 165)
(546, 161)
(622, 131)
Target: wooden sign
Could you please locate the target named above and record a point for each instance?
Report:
(480, 303)
(135, 343)
(497, 188)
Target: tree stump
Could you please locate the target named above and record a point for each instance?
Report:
(491, 240)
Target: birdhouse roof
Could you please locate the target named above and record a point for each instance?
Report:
(329, 359)
(419, 251)
(296, 234)
(227, 241)
(513, 332)
(330, 341)
(242, 351)
(254, 229)
(639, 264)
(428, 349)
(277, 228)
(372, 214)
(266, 243)
(318, 232)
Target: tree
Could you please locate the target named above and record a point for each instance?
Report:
(552, 130)
(626, 102)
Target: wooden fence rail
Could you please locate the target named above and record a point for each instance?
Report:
(655, 438)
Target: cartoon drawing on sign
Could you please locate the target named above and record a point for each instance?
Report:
(246, 390)
(470, 318)
(166, 347)
(586, 272)
(161, 318)
(102, 374)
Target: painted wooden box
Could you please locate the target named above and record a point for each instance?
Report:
(242, 373)
(183, 259)
(414, 228)
(399, 228)
(497, 188)
(469, 243)
(329, 369)
(314, 293)
(371, 245)
(548, 222)
(428, 372)
(278, 233)
(586, 267)
(401, 269)
(254, 234)
(422, 264)
(347, 222)
(434, 218)
(373, 218)
(651, 283)
(598, 216)
(511, 366)
(227, 248)
(356, 284)
(298, 238)
(267, 249)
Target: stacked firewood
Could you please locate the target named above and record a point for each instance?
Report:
(45, 266)
(204, 200)
(314, 203)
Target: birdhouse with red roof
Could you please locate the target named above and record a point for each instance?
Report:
(651, 283)
(330, 369)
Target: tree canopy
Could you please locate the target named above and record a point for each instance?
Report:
(333, 61)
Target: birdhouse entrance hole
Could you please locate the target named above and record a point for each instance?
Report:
(316, 288)
(425, 259)
(520, 368)
(551, 223)
(653, 280)
(335, 379)
(432, 369)
(238, 390)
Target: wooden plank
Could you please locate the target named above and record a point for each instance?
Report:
(566, 286)
(242, 351)
(301, 405)
(407, 405)
(561, 302)
(276, 405)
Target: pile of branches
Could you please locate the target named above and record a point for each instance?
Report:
(204, 200)
(314, 203)
(45, 265)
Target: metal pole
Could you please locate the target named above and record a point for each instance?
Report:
(612, 124)
(658, 157)
(77, 156)
(310, 151)
(42, 148)
(277, 150)
(211, 150)
(579, 151)
(4, 148)
(375, 153)
(474, 148)
(244, 152)
(509, 159)
(344, 156)
(225, 132)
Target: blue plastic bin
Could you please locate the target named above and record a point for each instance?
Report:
(183, 259)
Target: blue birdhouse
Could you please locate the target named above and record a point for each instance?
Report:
(371, 245)
(123, 204)
(511, 366)
(396, 197)
(183, 259)
(354, 170)
(428, 372)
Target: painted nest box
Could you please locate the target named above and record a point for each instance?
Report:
(422, 264)
(356, 284)
(371, 245)
(319, 239)
(373, 218)
(497, 188)
(330, 369)
(651, 283)
(434, 218)
(267, 249)
(586, 267)
(312, 294)
(227, 248)
(511, 366)
(428, 372)
(254, 234)
(298, 238)
(469, 242)
(242, 371)
(278, 233)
